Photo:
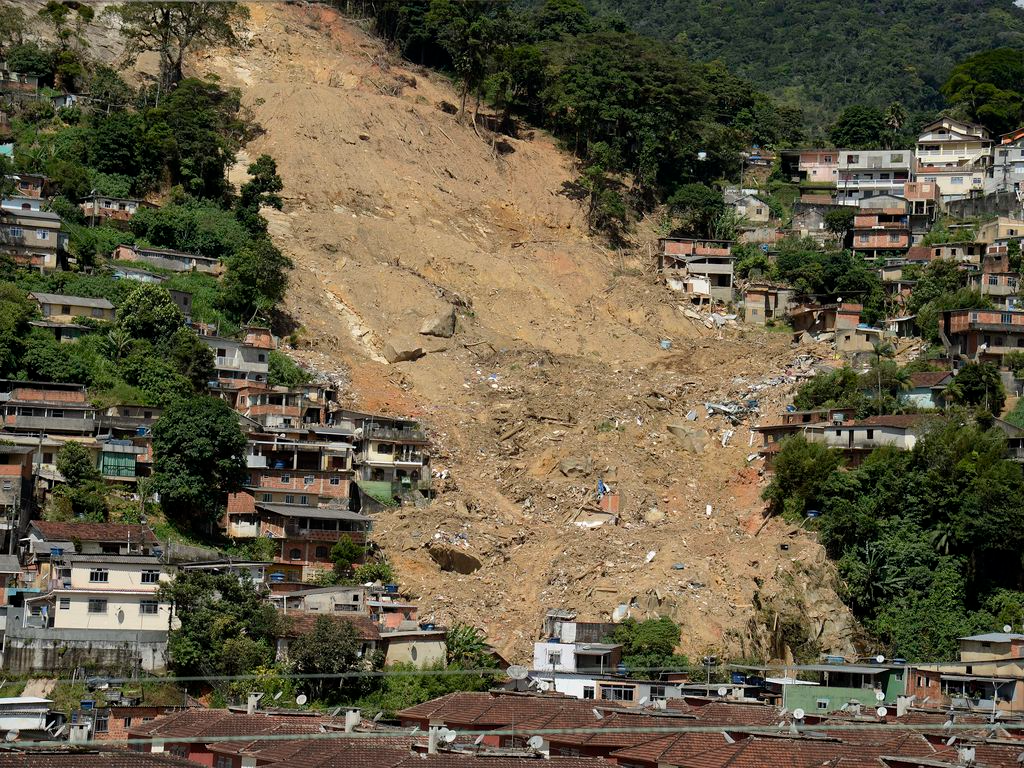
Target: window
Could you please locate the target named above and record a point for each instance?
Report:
(852, 159)
(97, 606)
(151, 577)
(864, 238)
(588, 691)
(385, 448)
(16, 232)
(303, 500)
(894, 237)
(99, 576)
(335, 481)
(57, 413)
(102, 722)
(871, 434)
(65, 603)
(65, 309)
(828, 158)
(957, 180)
(266, 497)
(617, 692)
(839, 433)
(42, 234)
(295, 554)
(148, 607)
(261, 357)
(309, 479)
(760, 211)
(8, 485)
(554, 658)
(222, 761)
(289, 499)
(931, 179)
(97, 312)
(221, 352)
(658, 693)
(321, 553)
(286, 478)
(883, 176)
(1006, 318)
(896, 157)
(822, 704)
(147, 414)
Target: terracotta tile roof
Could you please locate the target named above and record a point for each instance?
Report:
(212, 724)
(499, 761)
(673, 748)
(73, 758)
(497, 709)
(104, 532)
(731, 713)
(299, 623)
(241, 503)
(614, 739)
(929, 378)
(902, 421)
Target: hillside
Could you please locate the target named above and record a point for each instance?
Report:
(823, 55)
(394, 212)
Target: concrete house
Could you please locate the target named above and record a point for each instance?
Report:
(955, 155)
(863, 174)
(982, 335)
(52, 408)
(1001, 229)
(1007, 170)
(926, 388)
(59, 308)
(763, 302)
(988, 676)
(839, 685)
(881, 230)
(923, 205)
(703, 268)
(301, 470)
(238, 364)
(748, 206)
(856, 439)
(33, 238)
(99, 209)
(166, 258)
(392, 459)
(811, 166)
(30, 184)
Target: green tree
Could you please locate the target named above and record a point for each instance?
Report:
(76, 464)
(649, 644)
(466, 33)
(838, 221)
(12, 29)
(802, 473)
(373, 572)
(989, 88)
(332, 647)
(698, 206)
(149, 312)
(262, 189)
(191, 357)
(172, 30)
(16, 310)
(199, 457)
(466, 648)
(881, 350)
(858, 127)
(345, 553)
(285, 372)
(978, 384)
(215, 609)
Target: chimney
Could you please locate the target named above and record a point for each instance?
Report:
(352, 719)
(432, 741)
(253, 701)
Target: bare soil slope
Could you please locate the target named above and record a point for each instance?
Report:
(394, 213)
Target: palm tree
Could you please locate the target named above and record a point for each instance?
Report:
(881, 349)
(117, 343)
(467, 647)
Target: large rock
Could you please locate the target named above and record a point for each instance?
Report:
(449, 558)
(442, 325)
(400, 350)
(575, 466)
(690, 438)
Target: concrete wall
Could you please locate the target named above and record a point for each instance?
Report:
(564, 653)
(29, 650)
(422, 651)
(999, 203)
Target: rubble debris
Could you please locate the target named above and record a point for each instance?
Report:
(580, 467)
(448, 558)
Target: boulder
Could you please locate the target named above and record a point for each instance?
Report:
(690, 438)
(442, 325)
(400, 350)
(449, 558)
(653, 515)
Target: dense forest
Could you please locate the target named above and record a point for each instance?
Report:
(824, 56)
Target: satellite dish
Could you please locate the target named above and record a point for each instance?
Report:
(1007, 628)
(278, 695)
(951, 739)
(879, 696)
(11, 735)
(881, 711)
(722, 691)
(728, 739)
(597, 713)
(516, 672)
(880, 658)
(335, 711)
(642, 701)
(447, 735)
(478, 740)
(543, 685)
(535, 742)
(798, 714)
(301, 699)
(376, 718)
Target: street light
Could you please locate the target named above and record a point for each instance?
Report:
(709, 661)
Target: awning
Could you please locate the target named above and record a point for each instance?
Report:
(316, 513)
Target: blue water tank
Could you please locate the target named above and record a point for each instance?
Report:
(621, 668)
(276, 577)
(56, 551)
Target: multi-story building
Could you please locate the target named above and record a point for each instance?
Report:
(99, 209)
(922, 207)
(302, 470)
(857, 439)
(1007, 170)
(878, 231)
(763, 302)
(703, 268)
(866, 174)
(989, 675)
(238, 363)
(285, 408)
(812, 166)
(33, 238)
(955, 155)
(982, 335)
(1001, 229)
(392, 458)
(46, 407)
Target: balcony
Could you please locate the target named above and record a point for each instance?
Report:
(243, 530)
(398, 435)
(51, 424)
